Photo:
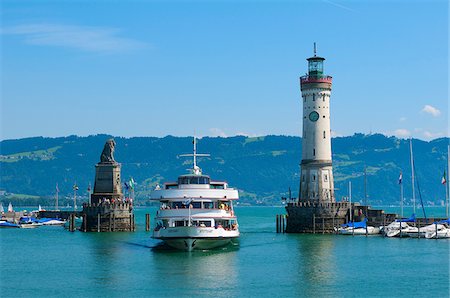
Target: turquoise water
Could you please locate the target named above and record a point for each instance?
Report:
(50, 261)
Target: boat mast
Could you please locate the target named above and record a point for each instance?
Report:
(196, 170)
(401, 194)
(448, 184)
(350, 198)
(412, 175)
(57, 191)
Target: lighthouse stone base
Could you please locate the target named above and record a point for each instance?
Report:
(316, 217)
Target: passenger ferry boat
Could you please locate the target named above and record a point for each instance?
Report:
(195, 212)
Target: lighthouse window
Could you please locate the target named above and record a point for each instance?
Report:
(314, 152)
(324, 134)
(314, 97)
(314, 177)
(323, 116)
(325, 178)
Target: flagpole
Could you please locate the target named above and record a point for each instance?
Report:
(401, 198)
(412, 175)
(75, 197)
(448, 184)
(57, 191)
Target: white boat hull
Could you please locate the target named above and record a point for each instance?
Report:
(359, 231)
(441, 234)
(195, 238)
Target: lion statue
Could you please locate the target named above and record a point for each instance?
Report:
(108, 152)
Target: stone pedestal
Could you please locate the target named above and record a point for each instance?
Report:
(107, 183)
(108, 211)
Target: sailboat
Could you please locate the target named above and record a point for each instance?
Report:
(2, 210)
(439, 230)
(10, 207)
(400, 227)
(358, 228)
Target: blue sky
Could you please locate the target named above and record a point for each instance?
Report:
(220, 68)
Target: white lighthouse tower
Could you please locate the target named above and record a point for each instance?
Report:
(316, 181)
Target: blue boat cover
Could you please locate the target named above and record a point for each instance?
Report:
(411, 219)
(45, 219)
(356, 225)
(444, 221)
(8, 224)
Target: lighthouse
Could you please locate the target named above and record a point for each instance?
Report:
(316, 180)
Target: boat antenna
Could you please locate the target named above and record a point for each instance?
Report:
(195, 169)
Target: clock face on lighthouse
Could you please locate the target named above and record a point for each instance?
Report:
(313, 116)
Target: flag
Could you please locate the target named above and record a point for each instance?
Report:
(132, 183)
(75, 187)
(127, 187)
(89, 187)
(444, 179)
(400, 178)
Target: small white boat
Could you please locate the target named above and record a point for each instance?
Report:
(439, 230)
(358, 228)
(51, 222)
(31, 225)
(401, 228)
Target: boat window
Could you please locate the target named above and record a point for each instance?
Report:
(207, 223)
(165, 223)
(204, 180)
(193, 180)
(196, 205)
(176, 205)
(208, 205)
(179, 223)
(217, 186)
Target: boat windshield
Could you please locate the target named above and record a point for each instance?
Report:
(193, 180)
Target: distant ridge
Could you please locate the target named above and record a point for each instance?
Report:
(263, 168)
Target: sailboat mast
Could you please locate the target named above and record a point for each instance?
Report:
(350, 198)
(448, 184)
(412, 175)
(57, 191)
(401, 197)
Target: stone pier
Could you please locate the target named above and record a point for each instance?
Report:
(108, 211)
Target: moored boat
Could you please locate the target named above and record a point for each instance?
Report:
(441, 230)
(6, 224)
(358, 228)
(195, 212)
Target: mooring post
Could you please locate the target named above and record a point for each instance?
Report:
(384, 225)
(418, 229)
(334, 230)
(85, 222)
(131, 222)
(114, 222)
(400, 229)
(147, 222)
(283, 217)
(314, 223)
(323, 225)
(98, 222)
(436, 230)
(110, 222)
(277, 223)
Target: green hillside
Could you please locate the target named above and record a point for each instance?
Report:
(262, 168)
